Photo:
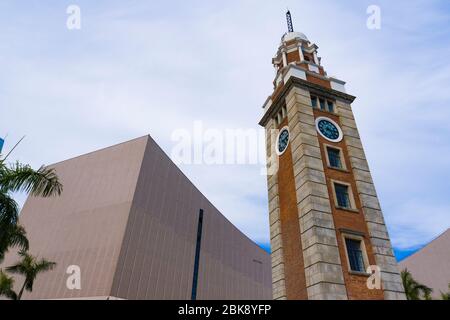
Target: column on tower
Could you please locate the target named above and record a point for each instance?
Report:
(300, 52)
(316, 60)
(284, 58)
(379, 237)
(322, 264)
(276, 243)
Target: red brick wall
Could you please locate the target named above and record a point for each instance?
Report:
(293, 56)
(318, 81)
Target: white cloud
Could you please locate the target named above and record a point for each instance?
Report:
(416, 222)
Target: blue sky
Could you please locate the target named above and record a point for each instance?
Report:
(141, 67)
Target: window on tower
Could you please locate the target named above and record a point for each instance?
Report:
(330, 106)
(322, 104)
(279, 117)
(355, 254)
(314, 102)
(334, 158)
(342, 196)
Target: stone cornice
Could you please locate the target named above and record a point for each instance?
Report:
(311, 87)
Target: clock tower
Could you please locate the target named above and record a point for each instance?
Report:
(328, 236)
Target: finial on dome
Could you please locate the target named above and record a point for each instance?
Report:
(289, 21)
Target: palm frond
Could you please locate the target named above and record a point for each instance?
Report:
(12, 236)
(413, 289)
(446, 296)
(30, 268)
(24, 266)
(18, 237)
(42, 182)
(9, 210)
(5, 282)
(44, 265)
(6, 286)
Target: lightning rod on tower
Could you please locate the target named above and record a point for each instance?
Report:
(289, 21)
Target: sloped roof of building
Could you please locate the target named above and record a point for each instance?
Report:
(431, 264)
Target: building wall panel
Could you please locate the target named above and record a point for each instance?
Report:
(166, 205)
(86, 224)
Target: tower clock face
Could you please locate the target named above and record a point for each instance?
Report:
(282, 141)
(329, 129)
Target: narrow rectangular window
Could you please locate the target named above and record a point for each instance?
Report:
(334, 158)
(330, 106)
(314, 102)
(355, 255)
(322, 104)
(342, 196)
(197, 255)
